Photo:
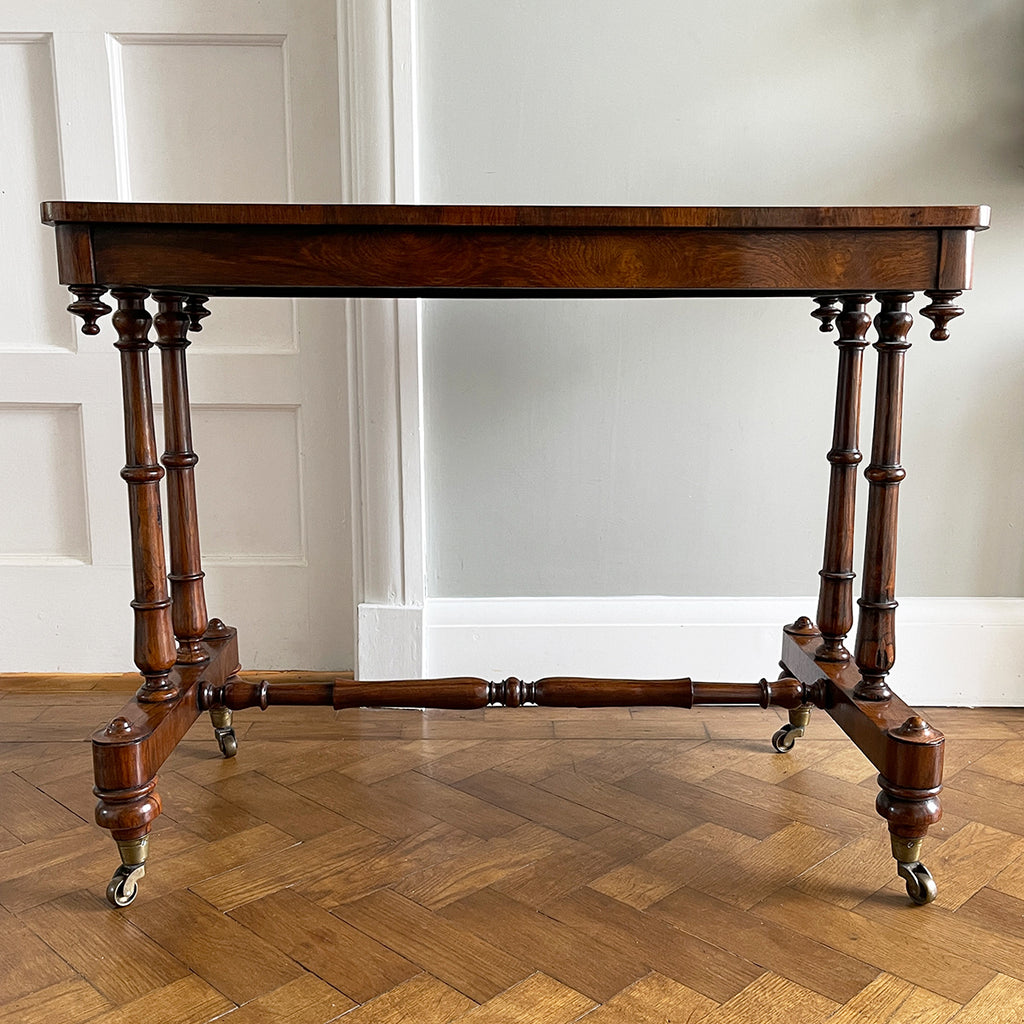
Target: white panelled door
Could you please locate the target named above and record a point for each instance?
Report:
(144, 100)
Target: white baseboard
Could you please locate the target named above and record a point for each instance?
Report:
(950, 651)
(389, 642)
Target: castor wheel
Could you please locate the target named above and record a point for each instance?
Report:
(799, 719)
(227, 742)
(784, 740)
(124, 886)
(221, 720)
(921, 886)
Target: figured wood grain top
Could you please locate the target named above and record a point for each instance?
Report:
(724, 217)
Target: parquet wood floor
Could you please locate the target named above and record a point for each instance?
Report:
(541, 865)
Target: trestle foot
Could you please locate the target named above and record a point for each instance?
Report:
(124, 885)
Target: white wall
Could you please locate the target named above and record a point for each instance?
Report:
(677, 447)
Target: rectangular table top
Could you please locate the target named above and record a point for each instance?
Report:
(474, 251)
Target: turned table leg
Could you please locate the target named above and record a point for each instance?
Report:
(835, 594)
(911, 782)
(188, 607)
(876, 629)
(125, 786)
(154, 633)
(177, 314)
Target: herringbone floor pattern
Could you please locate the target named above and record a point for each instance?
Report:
(609, 866)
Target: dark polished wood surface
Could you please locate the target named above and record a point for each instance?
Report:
(842, 258)
(718, 217)
(429, 250)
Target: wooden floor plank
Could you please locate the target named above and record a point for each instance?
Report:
(534, 804)
(391, 864)
(200, 810)
(29, 813)
(209, 943)
(886, 948)
(653, 1000)
(819, 813)
(576, 959)
(970, 859)
(545, 865)
(104, 947)
(347, 959)
(612, 763)
(462, 810)
(701, 804)
(27, 964)
(304, 863)
(444, 882)
(182, 1002)
(999, 1002)
(985, 799)
(988, 930)
(71, 1002)
(482, 756)
(625, 806)
(282, 807)
(850, 874)
(556, 875)
(1005, 762)
(538, 999)
(368, 806)
(306, 1000)
(557, 756)
(705, 967)
(891, 1000)
(801, 956)
(773, 1000)
(454, 955)
(423, 999)
(207, 860)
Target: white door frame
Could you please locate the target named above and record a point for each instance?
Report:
(378, 110)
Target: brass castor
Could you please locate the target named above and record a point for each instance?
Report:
(124, 885)
(226, 739)
(785, 739)
(921, 886)
(787, 736)
(227, 742)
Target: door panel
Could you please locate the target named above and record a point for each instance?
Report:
(139, 100)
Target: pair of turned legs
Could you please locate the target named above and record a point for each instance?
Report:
(189, 663)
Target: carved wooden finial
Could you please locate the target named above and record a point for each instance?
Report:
(802, 627)
(915, 728)
(195, 306)
(826, 312)
(88, 306)
(941, 310)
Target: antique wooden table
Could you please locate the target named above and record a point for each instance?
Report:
(843, 258)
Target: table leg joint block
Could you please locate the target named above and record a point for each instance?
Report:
(905, 749)
(129, 751)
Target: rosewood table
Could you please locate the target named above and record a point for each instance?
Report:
(844, 259)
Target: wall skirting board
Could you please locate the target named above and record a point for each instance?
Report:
(950, 651)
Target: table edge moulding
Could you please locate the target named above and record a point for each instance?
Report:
(861, 266)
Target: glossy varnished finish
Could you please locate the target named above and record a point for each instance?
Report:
(394, 866)
(843, 258)
(835, 601)
(416, 250)
(154, 637)
(186, 576)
